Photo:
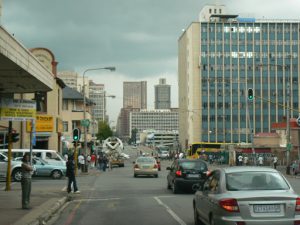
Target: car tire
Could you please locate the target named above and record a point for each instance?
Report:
(168, 185)
(134, 175)
(17, 174)
(156, 175)
(56, 174)
(197, 221)
(212, 220)
(175, 188)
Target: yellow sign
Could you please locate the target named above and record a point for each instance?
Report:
(43, 123)
(17, 109)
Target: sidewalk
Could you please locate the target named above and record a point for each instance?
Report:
(44, 202)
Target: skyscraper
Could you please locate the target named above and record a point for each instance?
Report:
(97, 96)
(220, 58)
(135, 94)
(162, 95)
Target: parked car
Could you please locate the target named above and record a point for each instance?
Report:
(184, 173)
(145, 166)
(50, 156)
(246, 195)
(46, 169)
(16, 168)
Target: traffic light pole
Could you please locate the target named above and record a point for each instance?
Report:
(75, 158)
(8, 174)
(250, 98)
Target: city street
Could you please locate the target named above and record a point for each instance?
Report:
(111, 197)
(116, 197)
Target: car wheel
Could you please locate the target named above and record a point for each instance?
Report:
(134, 175)
(175, 188)
(17, 174)
(156, 175)
(56, 174)
(212, 220)
(196, 217)
(168, 185)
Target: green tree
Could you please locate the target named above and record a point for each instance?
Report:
(104, 131)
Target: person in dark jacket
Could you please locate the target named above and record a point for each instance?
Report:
(71, 175)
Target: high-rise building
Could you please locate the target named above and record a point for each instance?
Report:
(135, 94)
(162, 95)
(220, 58)
(160, 120)
(97, 96)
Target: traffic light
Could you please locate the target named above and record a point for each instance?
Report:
(76, 134)
(250, 94)
(15, 137)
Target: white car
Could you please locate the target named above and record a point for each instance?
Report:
(164, 154)
(16, 168)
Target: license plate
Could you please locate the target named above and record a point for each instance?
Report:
(266, 208)
(146, 167)
(193, 175)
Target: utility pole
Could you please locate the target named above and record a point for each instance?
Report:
(288, 138)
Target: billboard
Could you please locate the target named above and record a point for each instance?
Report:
(17, 109)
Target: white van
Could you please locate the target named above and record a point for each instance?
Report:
(51, 156)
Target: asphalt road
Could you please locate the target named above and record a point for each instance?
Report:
(116, 197)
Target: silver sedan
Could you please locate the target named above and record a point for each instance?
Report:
(246, 196)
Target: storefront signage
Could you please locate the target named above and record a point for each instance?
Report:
(44, 123)
(17, 109)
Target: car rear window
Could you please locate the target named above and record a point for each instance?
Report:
(193, 165)
(240, 181)
(150, 160)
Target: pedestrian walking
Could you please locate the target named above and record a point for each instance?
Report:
(240, 160)
(71, 175)
(93, 160)
(100, 162)
(260, 161)
(275, 161)
(26, 181)
(246, 161)
(81, 162)
(104, 162)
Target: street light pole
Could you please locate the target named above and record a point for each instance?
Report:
(84, 103)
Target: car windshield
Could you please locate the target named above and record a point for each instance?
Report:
(193, 165)
(145, 160)
(241, 181)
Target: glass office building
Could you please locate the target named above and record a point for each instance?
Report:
(237, 54)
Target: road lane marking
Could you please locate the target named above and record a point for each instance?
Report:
(170, 211)
(96, 199)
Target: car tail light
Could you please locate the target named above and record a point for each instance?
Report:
(240, 223)
(136, 166)
(178, 173)
(297, 222)
(229, 204)
(297, 208)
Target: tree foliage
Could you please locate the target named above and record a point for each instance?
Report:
(104, 131)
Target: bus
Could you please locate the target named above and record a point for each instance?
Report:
(209, 151)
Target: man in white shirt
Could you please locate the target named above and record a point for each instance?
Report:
(275, 160)
(81, 162)
(240, 160)
(260, 160)
(245, 160)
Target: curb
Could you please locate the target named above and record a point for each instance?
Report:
(47, 215)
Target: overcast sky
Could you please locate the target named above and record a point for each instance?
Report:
(138, 37)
